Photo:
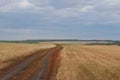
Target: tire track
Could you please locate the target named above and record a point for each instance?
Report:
(40, 61)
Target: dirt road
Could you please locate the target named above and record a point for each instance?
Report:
(36, 67)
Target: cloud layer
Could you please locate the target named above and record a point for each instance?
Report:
(58, 17)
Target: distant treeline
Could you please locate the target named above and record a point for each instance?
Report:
(36, 41)
(20, 41)
(108, 43)
(91, 42)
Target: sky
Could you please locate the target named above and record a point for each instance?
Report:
(60, 19)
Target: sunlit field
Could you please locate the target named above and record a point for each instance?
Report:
(83, 62)
(9, 52)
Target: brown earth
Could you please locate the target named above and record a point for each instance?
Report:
(36, 67)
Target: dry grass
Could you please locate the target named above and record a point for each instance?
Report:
(12, 51)
(80, 62)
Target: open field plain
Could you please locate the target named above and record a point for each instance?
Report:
(47, 61)
(83, 62)
(10, 52)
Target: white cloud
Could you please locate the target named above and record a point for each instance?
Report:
(16, 6)
(25, 4)
(44, 8)
(74, 11)
(113, 2)
(86, 8)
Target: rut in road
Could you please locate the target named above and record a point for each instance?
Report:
(34, 67)
(44, 72)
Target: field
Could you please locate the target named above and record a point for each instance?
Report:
(10, 52)
(74, 62)
(88, 62)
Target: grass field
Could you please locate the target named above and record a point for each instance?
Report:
(9, 52)
(87, 62)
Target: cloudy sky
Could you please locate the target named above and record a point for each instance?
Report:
(59, 19)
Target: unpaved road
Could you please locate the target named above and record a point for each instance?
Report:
(36, 67)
